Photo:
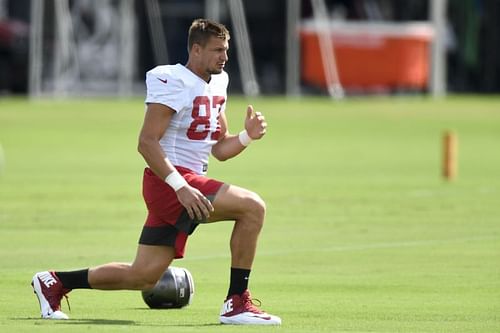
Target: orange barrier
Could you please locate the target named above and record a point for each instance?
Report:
(370, 55)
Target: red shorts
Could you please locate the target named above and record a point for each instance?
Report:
(168, 222)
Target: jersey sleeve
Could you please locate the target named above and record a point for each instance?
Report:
(163, 88)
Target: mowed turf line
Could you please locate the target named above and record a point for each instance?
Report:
(362, 234)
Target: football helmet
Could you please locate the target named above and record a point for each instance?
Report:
(174, 289)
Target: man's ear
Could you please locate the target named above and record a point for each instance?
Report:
(196, 49)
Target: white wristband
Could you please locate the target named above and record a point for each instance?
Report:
(244, 138)
(175, 180)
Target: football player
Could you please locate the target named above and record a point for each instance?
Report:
(185, 122)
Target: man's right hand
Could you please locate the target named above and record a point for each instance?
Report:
(197, 205)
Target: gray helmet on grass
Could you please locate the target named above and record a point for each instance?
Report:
(175, 289)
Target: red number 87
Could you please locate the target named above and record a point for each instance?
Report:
(200, 126)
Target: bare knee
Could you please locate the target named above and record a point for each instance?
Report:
(148, 285)
(255, 210)
(144, 279)
(149, 265)
(149, 281)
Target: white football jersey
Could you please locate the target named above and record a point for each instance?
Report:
(195, 127)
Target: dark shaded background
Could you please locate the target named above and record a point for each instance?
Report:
(473, 48)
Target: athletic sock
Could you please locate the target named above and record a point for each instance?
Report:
(239, 281)
(75, 279)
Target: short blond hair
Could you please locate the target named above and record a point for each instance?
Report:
(202, 29)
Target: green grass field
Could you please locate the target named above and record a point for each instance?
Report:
(362, 233)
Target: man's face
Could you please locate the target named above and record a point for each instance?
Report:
(214, 55)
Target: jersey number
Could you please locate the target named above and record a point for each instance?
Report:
(200, 126)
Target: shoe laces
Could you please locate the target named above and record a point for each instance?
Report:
(252, 304)
(65, 295)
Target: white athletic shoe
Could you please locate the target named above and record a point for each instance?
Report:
(49, 291)
(240, 310)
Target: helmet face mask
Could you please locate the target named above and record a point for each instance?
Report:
(174, 289)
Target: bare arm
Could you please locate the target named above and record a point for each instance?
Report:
(229, 145)
(156, 122)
